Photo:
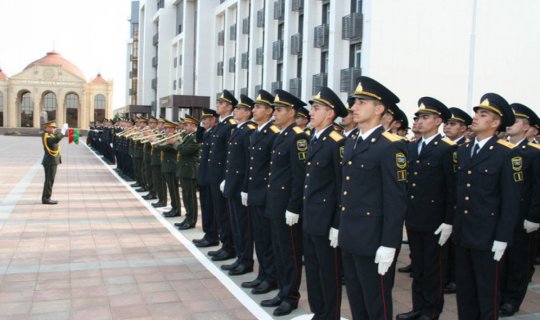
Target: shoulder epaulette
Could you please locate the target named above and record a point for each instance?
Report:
(251, 126)
(534, 145)
(506, 143)
(274, 129)
(392, 137)
(307, 131)
(448, 141)
(336, 136)
(298, 130)
(232, 121)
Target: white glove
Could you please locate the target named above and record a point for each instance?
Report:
(445, 230)
(530, 226)
(498, 248)
(244, 197)
(333, 237)
(111, 145)
(384, 257)
(291, 218)
(222, 186)
(65, 128)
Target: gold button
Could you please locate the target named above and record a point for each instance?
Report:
(309, 163)
(342, 208)
(466, 211)
(417, 161)
(347, 178)
(368, 213)
(415, 173)
(469, 172)
(251, 158)
(250, 178)
(344, 193)
(412, 197)
(283, 188)
(467, 198)
(361, 166)
(414, 184)
(468, 185)
(269, 186)
(350, 162)
(307, 174)
(305, 186)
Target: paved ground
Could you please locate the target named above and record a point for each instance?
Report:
(103, 253)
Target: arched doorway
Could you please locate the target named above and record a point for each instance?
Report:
(49, 105)
(72, 110)
(99, 107)
(27, 109)
(1, 109)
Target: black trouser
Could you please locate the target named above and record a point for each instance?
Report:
(172, 185)
(50, 173)
(477, 282)
(223, 218)
(263, 244)
(450, 274)
(428, 261)
(148, 177)
(287, 247)
(209, 223)
(189, 194)
(137, 171)
(516, 271)
(159, 184)
(370, 294)
(322, 263)
(241, 231)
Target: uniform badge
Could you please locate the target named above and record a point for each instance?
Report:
(401, 160)
(402, 175)
(518, 176)
(301, 145)
(341, 151)
(517, 163)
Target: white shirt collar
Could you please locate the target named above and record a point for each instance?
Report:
(223, 119)
(456, 140)
(368, 133)
(347, 133)
(259, 128)
(482, 142)
(318, 133)
(428, 140)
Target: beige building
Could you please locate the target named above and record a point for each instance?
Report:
(53, 88)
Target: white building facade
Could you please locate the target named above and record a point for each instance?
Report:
(452, 50)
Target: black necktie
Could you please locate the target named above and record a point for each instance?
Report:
(358, 140)
(423, 146)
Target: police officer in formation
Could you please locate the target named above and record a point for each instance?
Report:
(168, 170)
(160, 187)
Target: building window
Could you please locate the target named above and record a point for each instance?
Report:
(1, 109)
(72, 110)
(355, 59)
(99, 107)
(324, 62)
(326, 13)
(49, 105)
(27, 110)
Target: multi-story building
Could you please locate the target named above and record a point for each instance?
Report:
(190, 49)
(132, 55)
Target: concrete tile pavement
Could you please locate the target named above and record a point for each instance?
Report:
(102, 253)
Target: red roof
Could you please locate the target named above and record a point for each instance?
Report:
(55, 58)
(2, 75)
(99, 80)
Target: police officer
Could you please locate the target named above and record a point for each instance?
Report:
(186, 171)
(302, 120)
(235, 175)
(456, 126)
(373, 203)
(255, 189)
(489, 179)
(321, 206)
(158, 181)
(209, 223)
(431, 199)
(518, 264)
(168, 169)
(216, 174)
(349, 127)
(147, 161)
(51, 158)
(284, 202)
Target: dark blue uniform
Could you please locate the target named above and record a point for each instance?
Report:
(488, 193)
(255, 185)
(320, 213)
(285, 186)
(373, 203)
(209, 223)
(215, 174)
(431, 199)
(235, 173)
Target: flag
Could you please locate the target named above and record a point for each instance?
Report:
(73, 135)
(70, 135)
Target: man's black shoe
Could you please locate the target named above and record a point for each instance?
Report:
(239, 270)
(171, 214)
(264, 287)
(178, 224)
(135, 185)
(205, 243)
(274, 302)
(224, 255)
(409, 315)
(141, 189)
(49, 201)
(186, 226)
(159, 204)
(149, 196)
(215, 252)
(251, 284)
(406, 269)
(231, 266)
(284, 309)
(450, 287)
(507, 310)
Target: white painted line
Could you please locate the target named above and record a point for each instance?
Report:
(13, 197)
(238, 293)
